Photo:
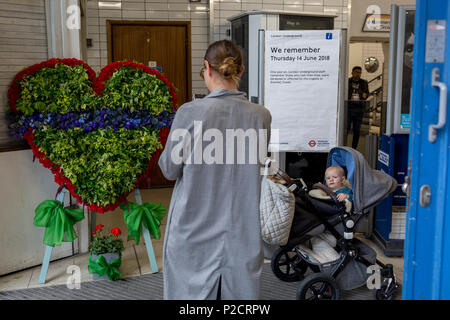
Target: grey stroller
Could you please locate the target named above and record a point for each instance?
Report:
(322, 223)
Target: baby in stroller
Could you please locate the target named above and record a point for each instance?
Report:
(335, 178)
(321, 237)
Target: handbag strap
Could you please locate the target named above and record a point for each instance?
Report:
(266, 168)
(290, 183)
(285, 176)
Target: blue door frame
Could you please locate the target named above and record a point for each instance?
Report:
(427, 241)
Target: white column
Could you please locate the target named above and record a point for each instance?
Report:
(63, 19)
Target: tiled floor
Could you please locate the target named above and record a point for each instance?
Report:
(135, 261)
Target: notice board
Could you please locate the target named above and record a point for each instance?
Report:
(301, 74)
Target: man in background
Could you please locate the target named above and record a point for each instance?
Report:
(358, 91)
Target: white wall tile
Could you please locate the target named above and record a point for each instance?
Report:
(157, 6)
(202, 7)
(93, 54)
(179, 6)
(332, 10)
(252, 1)
(179, 15)
(269, 6)
(200, 46)
(110, 13)
(195, 74)
(92, 21)
(133, 14)
(94, 61)
(92, 4)
(277, 2)
(92, 13)
(197, 61)
(310, 8)
(332, 2)
(251, 6)
(224, 14)
(338, 25)
(296, 2)
(223, 6)
(133, 6)
(199, 30)
(313, 2)
(95, 37)
(203, 23)
(156, 15)
(293, 7)
(102, 21)
(200, 15)
(93, 29)
(198, 38)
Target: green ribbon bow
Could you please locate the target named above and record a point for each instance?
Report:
(150, 214)
(58, 222)
(101, 266)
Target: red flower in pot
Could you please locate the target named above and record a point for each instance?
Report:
(106, 253)
(116, 231)
(98, 227)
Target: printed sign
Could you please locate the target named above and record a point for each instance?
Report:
(435, 41)
(301, 88)
(405, 121)
(383, 157)
(377, 23)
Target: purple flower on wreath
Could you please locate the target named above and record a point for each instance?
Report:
(90, 121)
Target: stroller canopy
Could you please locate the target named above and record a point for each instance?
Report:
(369, 186)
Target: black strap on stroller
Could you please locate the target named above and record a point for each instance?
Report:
(283, 256)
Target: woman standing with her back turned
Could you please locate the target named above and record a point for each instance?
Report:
(212, 245)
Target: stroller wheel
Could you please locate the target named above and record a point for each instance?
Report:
(288, 266)
(318, 286)
(384, 293)
(380, 294)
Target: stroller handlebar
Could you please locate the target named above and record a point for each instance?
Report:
(292, 183)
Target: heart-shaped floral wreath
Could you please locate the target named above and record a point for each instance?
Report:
(100, 135)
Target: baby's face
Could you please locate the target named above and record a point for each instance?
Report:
(334, 179)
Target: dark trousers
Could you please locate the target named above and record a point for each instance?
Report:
(355, 113)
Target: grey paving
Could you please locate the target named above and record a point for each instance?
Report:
(150, 287)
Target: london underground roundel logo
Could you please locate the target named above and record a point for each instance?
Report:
(312, 143)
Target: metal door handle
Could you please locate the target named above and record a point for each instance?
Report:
(424, 195)
(435, 76)
(405, 186)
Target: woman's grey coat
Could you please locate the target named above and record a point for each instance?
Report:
(213, 228)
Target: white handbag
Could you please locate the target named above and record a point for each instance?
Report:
(277, 206)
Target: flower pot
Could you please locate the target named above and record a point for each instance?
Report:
(109, 257)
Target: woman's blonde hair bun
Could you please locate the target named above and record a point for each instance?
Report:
(225, 57)
(228, 68)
